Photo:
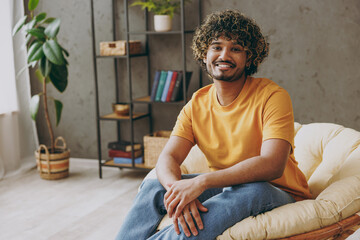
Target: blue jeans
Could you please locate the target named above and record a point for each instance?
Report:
(226, 206)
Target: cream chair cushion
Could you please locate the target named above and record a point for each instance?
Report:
(329, 156)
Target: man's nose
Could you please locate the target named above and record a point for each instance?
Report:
(225, 54)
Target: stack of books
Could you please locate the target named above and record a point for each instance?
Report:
(120, 151)
(167, 86)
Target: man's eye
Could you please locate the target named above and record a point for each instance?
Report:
(215, 48)
(237, 50)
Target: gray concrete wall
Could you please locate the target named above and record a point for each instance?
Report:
(314, 54)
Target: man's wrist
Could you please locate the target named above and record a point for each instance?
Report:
(202, 180)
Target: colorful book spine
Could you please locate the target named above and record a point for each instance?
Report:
(161, 86)
(178, 89)
(121, 160)
(155, 85)
(171, 87)
(167, 85)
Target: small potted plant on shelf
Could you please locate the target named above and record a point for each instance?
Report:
(45, 53)
(164, 11)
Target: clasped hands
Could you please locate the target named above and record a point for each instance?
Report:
(183, 206)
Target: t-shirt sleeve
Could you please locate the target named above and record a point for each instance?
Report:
(183, 125)
(278, 118)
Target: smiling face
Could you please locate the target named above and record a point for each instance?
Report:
(225, 60)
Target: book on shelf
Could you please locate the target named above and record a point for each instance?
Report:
(155, 85)
(124, 146)
(161, 85)
(118, 153)
(172, 85)
(121, 160)
(177, 94)
(167, 85)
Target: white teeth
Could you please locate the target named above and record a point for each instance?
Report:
(223, 66)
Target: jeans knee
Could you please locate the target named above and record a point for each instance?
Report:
(151, 185)
(260, 186)
(255, 190)
(152, 193)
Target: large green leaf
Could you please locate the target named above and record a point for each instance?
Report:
(59, 77)
(53, 28)
(45, 66)
(58, 108)
(28, 38)
(40, 17)
(35, 52)
(19, 24)
(49, 20)
(34, 106)
(32, 4)
(53, 52)
(39, 33)
(30, 25)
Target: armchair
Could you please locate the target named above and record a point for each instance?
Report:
(329, 156)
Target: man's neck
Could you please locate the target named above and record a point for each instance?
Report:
(227, 92)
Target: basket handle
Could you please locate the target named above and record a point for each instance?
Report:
(60, 138)
(47, 157)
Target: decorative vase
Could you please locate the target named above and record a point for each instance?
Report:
(162, 23)
(52, 166)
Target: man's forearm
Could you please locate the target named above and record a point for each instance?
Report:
(168, 165)
(167, 171)
(267, 167)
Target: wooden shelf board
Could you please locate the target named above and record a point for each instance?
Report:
(126, 165)
(146, 99)
(143, 99)
(123, 56)
(113, 116)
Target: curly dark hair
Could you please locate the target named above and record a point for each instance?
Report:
(233, 25)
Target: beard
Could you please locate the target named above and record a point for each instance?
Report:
(224, 75)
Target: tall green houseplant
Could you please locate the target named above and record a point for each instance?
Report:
(48, 56)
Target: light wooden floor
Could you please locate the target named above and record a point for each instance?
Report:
(79, 207)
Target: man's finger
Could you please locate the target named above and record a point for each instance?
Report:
(190, 222)
(171, 207)
(179, 209)
(196, 215)
(168, 200)
(168, 193)
(176, 225)
(200, 206)
(184, 226)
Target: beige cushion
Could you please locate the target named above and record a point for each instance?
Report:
(329, 156)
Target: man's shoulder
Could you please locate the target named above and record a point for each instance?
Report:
(265, 85)
(203, 93)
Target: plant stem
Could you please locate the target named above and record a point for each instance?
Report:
(47, 118)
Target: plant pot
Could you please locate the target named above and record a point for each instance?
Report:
(162, 23)
(53, 166)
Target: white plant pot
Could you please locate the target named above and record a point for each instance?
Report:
(162, 23)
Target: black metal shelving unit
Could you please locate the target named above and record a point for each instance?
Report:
(133, 116)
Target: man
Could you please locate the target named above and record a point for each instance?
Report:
(245, 128)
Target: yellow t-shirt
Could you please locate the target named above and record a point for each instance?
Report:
(230, 134)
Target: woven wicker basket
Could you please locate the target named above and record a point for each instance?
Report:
(52, 166)
(153, 145)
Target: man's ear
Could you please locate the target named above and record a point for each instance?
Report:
(204, 59)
